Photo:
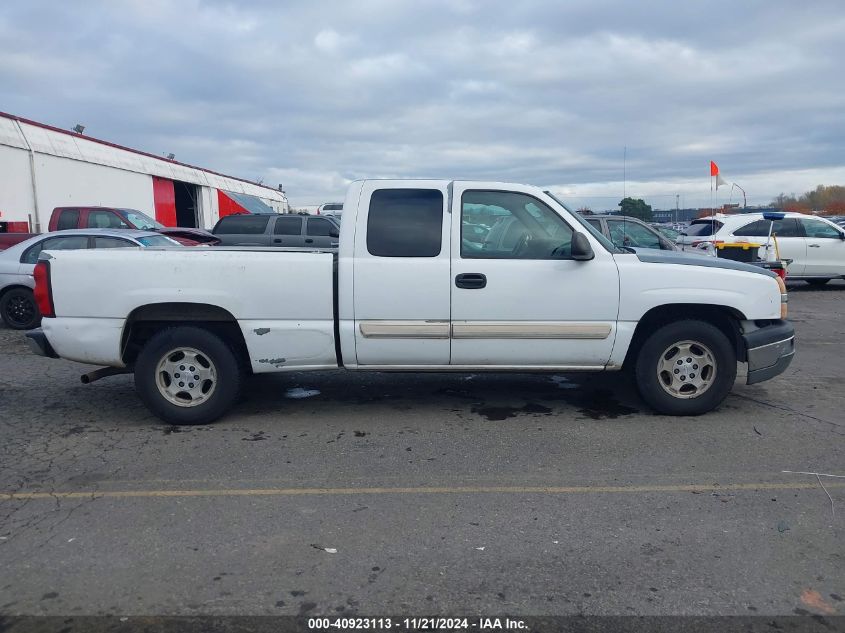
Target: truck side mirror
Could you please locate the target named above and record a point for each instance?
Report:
(334, 233)
(581, 249)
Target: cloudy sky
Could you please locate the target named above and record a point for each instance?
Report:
(315, 94)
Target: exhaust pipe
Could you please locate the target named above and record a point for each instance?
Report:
(103, 372)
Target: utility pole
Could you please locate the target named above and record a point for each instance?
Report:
(677, 207)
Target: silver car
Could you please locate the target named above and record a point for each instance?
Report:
(17, 263)
(630, 232)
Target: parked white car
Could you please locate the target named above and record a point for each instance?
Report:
(815, 245)
(17, 305)
(408, 292)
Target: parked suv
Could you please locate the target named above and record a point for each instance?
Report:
(625, 231)
(277, 230)
(815, 245)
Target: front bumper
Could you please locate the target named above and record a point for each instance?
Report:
(39, 344)
(769, 351)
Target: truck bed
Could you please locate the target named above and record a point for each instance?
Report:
(281, 299)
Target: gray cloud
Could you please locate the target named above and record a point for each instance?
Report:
(316, 94)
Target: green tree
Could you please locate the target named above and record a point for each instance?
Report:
(636, 208)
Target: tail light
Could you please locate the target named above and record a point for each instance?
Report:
(784, 298)
(43, 290)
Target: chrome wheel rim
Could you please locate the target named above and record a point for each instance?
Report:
(186, 377)
(686, 369)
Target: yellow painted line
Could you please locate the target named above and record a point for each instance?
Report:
(293, 492)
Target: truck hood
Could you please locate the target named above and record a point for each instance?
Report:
(651, 256)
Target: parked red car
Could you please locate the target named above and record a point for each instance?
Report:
(112, 218)
(116, 218)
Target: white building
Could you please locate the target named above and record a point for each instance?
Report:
(43, 167)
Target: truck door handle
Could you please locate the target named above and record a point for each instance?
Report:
(309, 241)
(277, 241)
(471, 281)
(815, 246)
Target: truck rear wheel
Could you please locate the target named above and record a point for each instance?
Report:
(187, 375)
(686, 368)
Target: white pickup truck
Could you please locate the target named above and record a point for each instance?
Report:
(430, 275)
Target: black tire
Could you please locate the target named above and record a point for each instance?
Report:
(19, 310)
(817, 283)
(655, 387)
(213, 350)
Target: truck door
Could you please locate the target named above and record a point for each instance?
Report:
(401, 274)
(518, 299)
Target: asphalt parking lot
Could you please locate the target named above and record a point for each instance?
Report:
(341, 493)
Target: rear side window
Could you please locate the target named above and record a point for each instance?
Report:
(332, 207)
(68, 220)
(242, 224)
(68, 242)
(318, 227)
(703, 228)
(787, 227)
(405, 223)
(288, 225)
(111, 242)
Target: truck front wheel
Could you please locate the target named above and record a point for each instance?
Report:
(187, 375)
(686, 368)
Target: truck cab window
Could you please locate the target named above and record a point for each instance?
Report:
(68, 220)
(518, 227)
(105, 220)
(405, 223)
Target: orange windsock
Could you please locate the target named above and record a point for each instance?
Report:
(714, 169)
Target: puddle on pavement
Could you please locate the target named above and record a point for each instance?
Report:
(503, 413)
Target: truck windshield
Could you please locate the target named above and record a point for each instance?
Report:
(587, 226)
(141, 221)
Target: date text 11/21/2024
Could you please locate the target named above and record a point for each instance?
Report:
(417, 624)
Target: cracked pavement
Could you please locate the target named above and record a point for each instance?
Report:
(544, 494)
